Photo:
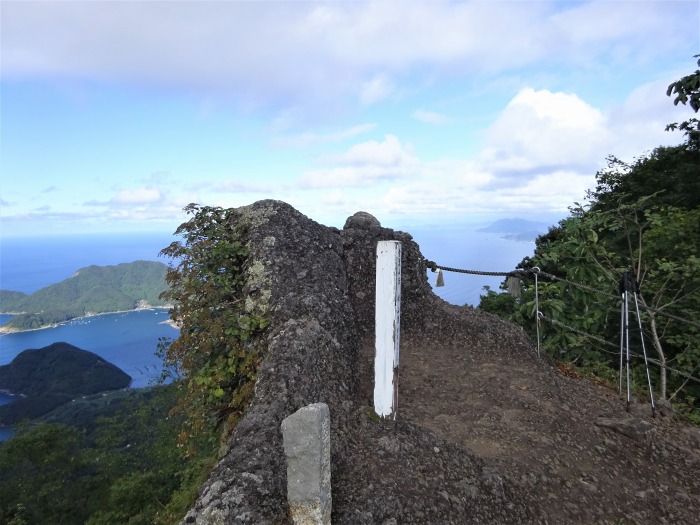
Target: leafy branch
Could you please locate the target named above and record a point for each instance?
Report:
(212, 358)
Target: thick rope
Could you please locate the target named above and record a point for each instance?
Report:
(671, 316)
(435, 267)
(608, 343)
(536, 271)
(522, 273)
(579, 285)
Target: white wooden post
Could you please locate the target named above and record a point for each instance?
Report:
(387, 327)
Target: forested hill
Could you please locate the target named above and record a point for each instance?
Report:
(91, 290)
(51, 376)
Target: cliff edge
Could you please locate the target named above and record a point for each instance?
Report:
(486, 432)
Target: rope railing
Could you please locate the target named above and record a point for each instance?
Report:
(671, 316)
(536, 272)
(531, 271)
(608, 343)
(576, 330)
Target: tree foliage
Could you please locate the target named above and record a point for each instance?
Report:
(644, 217)
(687, 91)
(121, 467)
(212, 356)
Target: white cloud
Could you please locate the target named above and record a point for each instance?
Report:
(617, 30)
(310, 138)
(541, 130)
(638, 124)
(284, 53)
(237, 186)
(365, 164)
(368, 62)
(540, 155)
(389, 152)
(376, 89)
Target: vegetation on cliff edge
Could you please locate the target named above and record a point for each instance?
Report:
(641, 217)
(211, 360)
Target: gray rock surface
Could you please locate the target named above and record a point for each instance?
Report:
(487, 433)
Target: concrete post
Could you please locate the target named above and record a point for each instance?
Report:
(387, 328)
(307, 447)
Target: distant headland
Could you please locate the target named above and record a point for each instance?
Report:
(90, 291)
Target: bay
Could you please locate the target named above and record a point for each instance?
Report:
(128, 340)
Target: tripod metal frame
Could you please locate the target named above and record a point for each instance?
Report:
(630, 285)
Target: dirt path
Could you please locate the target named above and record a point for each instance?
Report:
(567, 441)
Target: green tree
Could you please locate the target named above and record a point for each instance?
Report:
(643, 217)
(123, 467)
(687, 91)
(212, 354)
(47, 477)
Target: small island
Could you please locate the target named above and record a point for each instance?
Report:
(51, 376)
(519, 230)
(90, 291)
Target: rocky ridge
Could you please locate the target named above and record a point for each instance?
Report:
(487, 432)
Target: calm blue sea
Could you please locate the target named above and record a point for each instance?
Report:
(30, 263)
(129, 340)
(464, 248)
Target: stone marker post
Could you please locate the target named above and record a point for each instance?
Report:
(307, 446)
(387, 328)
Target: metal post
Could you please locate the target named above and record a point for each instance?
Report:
(622, 336)
(627, 346)
(646, 361)
(538, 314)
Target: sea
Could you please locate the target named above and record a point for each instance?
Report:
(130, 339)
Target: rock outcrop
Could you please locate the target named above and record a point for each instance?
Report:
(486, 432)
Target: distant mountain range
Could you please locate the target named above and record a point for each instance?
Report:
(91, 290)
(517, 229)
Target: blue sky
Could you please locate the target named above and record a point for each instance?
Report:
(115, 115)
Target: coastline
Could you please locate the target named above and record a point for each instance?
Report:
(6, 331)
(172, 323)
